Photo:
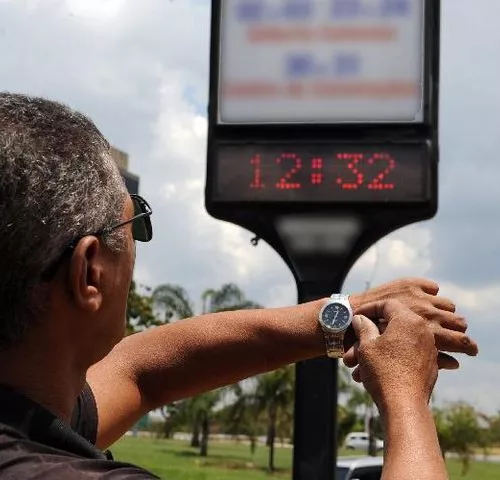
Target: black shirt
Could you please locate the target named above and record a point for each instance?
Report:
(35, 444)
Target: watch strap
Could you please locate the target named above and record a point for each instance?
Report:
(334, 344)
(340, 297)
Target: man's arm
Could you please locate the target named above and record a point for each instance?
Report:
(411, 446)
(148, 370)
(399, 370)
(185, 358)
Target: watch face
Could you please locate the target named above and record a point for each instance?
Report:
(336, 316)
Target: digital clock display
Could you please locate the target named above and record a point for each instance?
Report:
(321, 173)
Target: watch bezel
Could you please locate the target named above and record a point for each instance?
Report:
(331, 329)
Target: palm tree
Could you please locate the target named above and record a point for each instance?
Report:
(270, 396)
(228, 297)
(199, 411)
(140, 314)
(274, 395)
(174, 302)
(242, 415)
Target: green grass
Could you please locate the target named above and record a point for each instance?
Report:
(175, 460)
(477, 471)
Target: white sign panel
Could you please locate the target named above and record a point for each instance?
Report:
(321, 61)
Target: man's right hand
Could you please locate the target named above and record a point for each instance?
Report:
(399, 366)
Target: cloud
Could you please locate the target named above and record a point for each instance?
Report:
(467, 229)
(95, 10)
(196, 250)
(404, 253)
(481, 301)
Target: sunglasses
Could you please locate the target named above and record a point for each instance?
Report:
(142, 231)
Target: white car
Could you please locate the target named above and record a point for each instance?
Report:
(360, 440)
(359, 468)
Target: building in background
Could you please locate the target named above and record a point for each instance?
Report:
(131, 180)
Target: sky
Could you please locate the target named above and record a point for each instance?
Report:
(140, 69)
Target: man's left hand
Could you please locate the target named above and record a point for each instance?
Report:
(421, 297)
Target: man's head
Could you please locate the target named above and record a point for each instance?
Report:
(58, 185)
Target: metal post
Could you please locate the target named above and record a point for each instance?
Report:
(315, 439)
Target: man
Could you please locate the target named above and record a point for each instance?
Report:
(67, 232)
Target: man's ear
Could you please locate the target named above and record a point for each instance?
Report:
(85, 274)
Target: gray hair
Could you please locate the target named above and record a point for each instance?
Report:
(58, 182)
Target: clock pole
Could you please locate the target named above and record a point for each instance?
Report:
(316, 385)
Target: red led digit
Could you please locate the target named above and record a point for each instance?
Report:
(286, 181)
(386, 164)
(353, 164)
(257, 172)
(317, 171)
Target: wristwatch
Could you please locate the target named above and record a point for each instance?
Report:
(335, 318)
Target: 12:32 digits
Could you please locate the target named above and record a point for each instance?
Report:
(346, 171)
(308, 10)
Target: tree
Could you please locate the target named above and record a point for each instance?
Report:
(228, 297)
(242, 416)
(198, 412)
(492, 432)
(174, 302)
(459, 431)
(271, 397)
(140, 311)
(172, 418)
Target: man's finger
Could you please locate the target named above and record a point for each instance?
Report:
(428, 286)
(447, 362)
(384, 309)
(455, 342)
(442, 303)
(451, 321)
(351, 356)
(364, 329)
(356, 375)
(349, 338)
(382, 326)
